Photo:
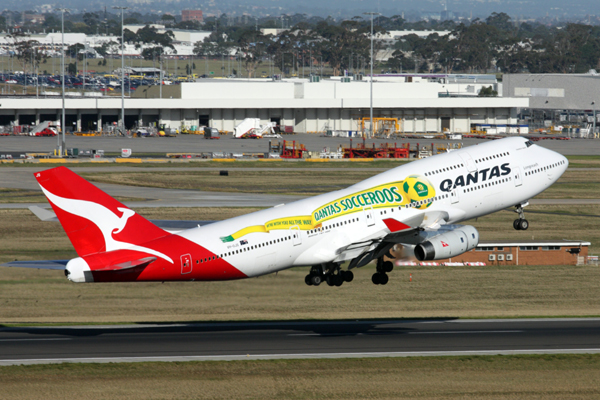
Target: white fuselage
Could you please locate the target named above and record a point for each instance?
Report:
(469, 183)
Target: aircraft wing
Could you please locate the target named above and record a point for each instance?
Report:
(166, 224)
(408, 232)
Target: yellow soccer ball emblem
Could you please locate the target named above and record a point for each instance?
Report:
(419, 191)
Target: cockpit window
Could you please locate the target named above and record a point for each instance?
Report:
(529, 143)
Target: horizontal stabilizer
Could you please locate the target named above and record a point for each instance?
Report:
(43, 213)
(142, 262)
(44, 264)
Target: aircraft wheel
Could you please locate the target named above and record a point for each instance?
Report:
(517, 224)
(383, 279)
(308, 280)
(375, 278)
(348, 276)
(316, 280)
(523, 224)
(330, 280)
(388, 266)
(338, 280)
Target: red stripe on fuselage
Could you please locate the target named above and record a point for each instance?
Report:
(173, 246)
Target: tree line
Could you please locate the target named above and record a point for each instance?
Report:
(493, 44)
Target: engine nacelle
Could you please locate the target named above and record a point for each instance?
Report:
(448, 244)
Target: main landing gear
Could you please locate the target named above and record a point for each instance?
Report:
(330, 273)
(380, 277)
(521, 224)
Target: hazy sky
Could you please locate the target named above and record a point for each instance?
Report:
(337, 8)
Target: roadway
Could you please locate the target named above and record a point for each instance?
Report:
(197, 144)
(293, 340)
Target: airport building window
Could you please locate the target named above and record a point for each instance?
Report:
(484, 249)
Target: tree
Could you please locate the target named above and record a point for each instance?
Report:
(252, 47)
(74, 51)
(500, 21)
(149, 34)
(167, 19)
(339, 42)
(400, 62)
(190, 25)
(487, 91)
(150, 53)
(26, 50)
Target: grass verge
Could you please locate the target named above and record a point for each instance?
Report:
(477, 377)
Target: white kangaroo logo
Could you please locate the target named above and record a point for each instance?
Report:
(106, 220)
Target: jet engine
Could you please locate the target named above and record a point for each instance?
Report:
(448, 244)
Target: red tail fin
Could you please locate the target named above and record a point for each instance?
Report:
(94, 221)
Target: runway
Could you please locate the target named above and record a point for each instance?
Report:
(295, 340)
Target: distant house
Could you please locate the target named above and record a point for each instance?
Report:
(33, 19)
(191, 15)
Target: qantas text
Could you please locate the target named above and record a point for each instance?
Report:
(480, 176)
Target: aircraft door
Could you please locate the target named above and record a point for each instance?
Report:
(369, 215)
(186, 264)
(469, 163)
(454, 198)
(296, 238)
(517, 176)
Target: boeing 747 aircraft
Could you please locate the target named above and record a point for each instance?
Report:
(416, 206)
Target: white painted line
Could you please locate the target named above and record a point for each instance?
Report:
(305, 334)
(238, 357)
(458, 332)
(33, 340)
(408, 333)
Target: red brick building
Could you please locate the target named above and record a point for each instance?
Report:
(191, 15)
(526, 253)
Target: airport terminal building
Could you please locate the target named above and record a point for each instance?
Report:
(421, 104)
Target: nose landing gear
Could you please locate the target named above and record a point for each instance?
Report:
(521, 224)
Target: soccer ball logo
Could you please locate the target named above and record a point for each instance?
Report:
(418, 189)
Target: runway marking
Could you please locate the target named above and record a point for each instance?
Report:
(294, 356)
(459, 332)
(402, 333)
(305, 334)
(33, 340)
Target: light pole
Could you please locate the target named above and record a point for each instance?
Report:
(62, 145)
(122, 70)
(84, 65)
(594, 105)
(371, 83)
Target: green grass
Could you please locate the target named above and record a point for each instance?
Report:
(294, 182)
(36, 196)
(476, 377)
(582, 161)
